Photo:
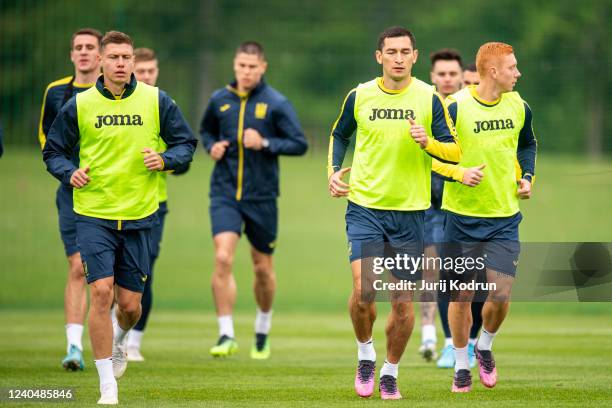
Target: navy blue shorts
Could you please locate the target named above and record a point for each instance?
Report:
(494, 239)
(157, 230)
(368, 227)
(434, 226)
(258, 219)
(67, 219)
(124, 254)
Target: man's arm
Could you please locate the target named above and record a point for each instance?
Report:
(448, 171)
(291, 141)
(180, 170)
(47, 116)
(177, 134)
(341, 133)
(444, 145)
(209, 127)
(453, 172)
(527, 147)
(61, 140)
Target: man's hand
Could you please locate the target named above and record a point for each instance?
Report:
(152, 160)
(337, 187)
(524, 189)
(218, 150)
(473, 175)
(418, 133)
(80, 178)
(252, 139)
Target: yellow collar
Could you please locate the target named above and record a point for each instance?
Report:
(381, 85)
(237, 92)
(472, 89)
(117, 97)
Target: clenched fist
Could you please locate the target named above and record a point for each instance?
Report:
(218, 150)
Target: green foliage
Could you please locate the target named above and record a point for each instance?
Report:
(318, 50)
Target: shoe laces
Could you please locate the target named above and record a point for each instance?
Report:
(119, 351)
(463, 378)
(365, 369)
(118, 354)
(486, 360)
(389, 384)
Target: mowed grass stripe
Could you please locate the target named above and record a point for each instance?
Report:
(312, 363)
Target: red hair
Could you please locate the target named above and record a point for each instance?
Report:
(489, 53)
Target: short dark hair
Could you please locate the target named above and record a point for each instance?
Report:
(86, 31)
(116, 37)
(144, 54)
(471, 67)
(446, 54)
(393, 32)
(251, 47)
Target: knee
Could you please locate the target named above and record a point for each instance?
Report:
(101, 295)
(224, 259)
(362, 297)
(403, 310)
(76, 270)
(129, 306)
(500, 295)
(360, 302)
(263, 271)
(362, 306)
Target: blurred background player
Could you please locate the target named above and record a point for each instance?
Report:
(447, 77)
(118, 125)
(389, 188)
(245, 127)
(470, 75)
(85, 56)
(484, 220)
(146, 70)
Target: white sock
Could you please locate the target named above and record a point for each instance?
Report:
(135, 338)
(389, 369)
(105, 371)
(472, 342)
(428, 334)
(226, 326)
(263, 321)
(74, 333)
(119, 333)
(461, 359)
(485, 341)
(365, 351)
(448, 341)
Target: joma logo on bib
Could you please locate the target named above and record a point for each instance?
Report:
(118, 120)
(498, 124)
(391, 114)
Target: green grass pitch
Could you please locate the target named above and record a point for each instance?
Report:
(549, 354)
(544, 360)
